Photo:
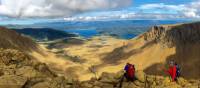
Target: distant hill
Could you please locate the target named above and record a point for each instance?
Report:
(10, 39)
(44, 34)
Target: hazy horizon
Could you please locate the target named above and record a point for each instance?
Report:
(37, 11)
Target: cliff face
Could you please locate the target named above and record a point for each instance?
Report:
(10, 39)
(185, 38)
(172, 35)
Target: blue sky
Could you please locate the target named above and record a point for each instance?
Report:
(175, 2)
(33, 11)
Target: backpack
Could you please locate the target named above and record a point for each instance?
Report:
(178, 71)
(131, 71)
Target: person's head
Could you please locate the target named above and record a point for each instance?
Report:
(127, 63)
(171, 63)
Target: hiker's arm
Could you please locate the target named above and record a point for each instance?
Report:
(126, 68)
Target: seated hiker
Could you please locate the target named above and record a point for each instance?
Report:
(172, 71)
(130, 72)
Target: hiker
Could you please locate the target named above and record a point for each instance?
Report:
(130, 72)
(178, 70)
(172, 71)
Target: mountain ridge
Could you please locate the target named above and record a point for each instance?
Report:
(13, 40)
(185, 38)
(44, 34)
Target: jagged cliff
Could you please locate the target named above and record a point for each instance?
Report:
(185, 38)
(172, 35)
(153, 50)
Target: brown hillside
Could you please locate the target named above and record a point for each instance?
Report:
(152, 50)
(19, 70)
(186, 40)
(149, 52)
(10, 39)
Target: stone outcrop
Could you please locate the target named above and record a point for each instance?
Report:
(172, 35)
(18, 70)
(111, 80)
(185, 38)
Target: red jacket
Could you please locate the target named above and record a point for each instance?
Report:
(172, 72)
(131, 71)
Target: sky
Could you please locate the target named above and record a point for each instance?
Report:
(30, 11)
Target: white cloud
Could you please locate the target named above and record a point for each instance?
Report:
(148, 11)
(190, 10)
(56, 8)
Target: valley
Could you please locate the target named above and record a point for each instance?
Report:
(103, 57)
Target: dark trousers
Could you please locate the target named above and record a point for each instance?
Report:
(129, 78)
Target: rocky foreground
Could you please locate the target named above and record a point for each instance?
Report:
(18, 70)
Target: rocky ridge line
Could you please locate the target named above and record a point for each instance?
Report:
(172, 35)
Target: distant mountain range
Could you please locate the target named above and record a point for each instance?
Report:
(125, 29)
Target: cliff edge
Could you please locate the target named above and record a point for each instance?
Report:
(185, 38)
(172, 35)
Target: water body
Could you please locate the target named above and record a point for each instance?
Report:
(86, 33)
(125, 29)
(128, 36)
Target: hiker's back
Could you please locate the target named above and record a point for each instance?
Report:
(131, 71)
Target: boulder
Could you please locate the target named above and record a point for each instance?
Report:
(97, 83)
(43, 68)
(107, 78)
(28, 71)
(86, 85)
(181, 81)
(138, 83)
(12, 81)
(141, 76)
(166, 81)
(42, 85)
(129, 85)
(119, 75)
(106, 85)
(96, 87)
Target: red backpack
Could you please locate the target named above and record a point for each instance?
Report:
(131, 71)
